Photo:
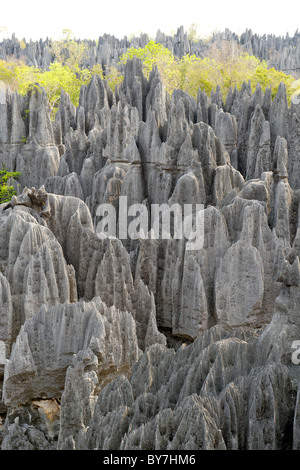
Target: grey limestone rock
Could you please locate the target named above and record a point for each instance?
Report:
(226, 130)
(229, 402)
(135, 86)
(5, 318)
(242, 266)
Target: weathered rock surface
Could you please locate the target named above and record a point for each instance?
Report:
(142, 342)
(280, 52)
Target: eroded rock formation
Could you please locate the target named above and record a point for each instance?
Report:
(111, 343)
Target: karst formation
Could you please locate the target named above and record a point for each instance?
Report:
(109, 343)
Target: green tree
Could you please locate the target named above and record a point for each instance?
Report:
(156, 54)
(69, 52)
(6, 191)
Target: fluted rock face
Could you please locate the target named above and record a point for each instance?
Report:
(41, 353)
(146, 341)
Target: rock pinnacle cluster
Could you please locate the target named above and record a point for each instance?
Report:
(142, 344)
